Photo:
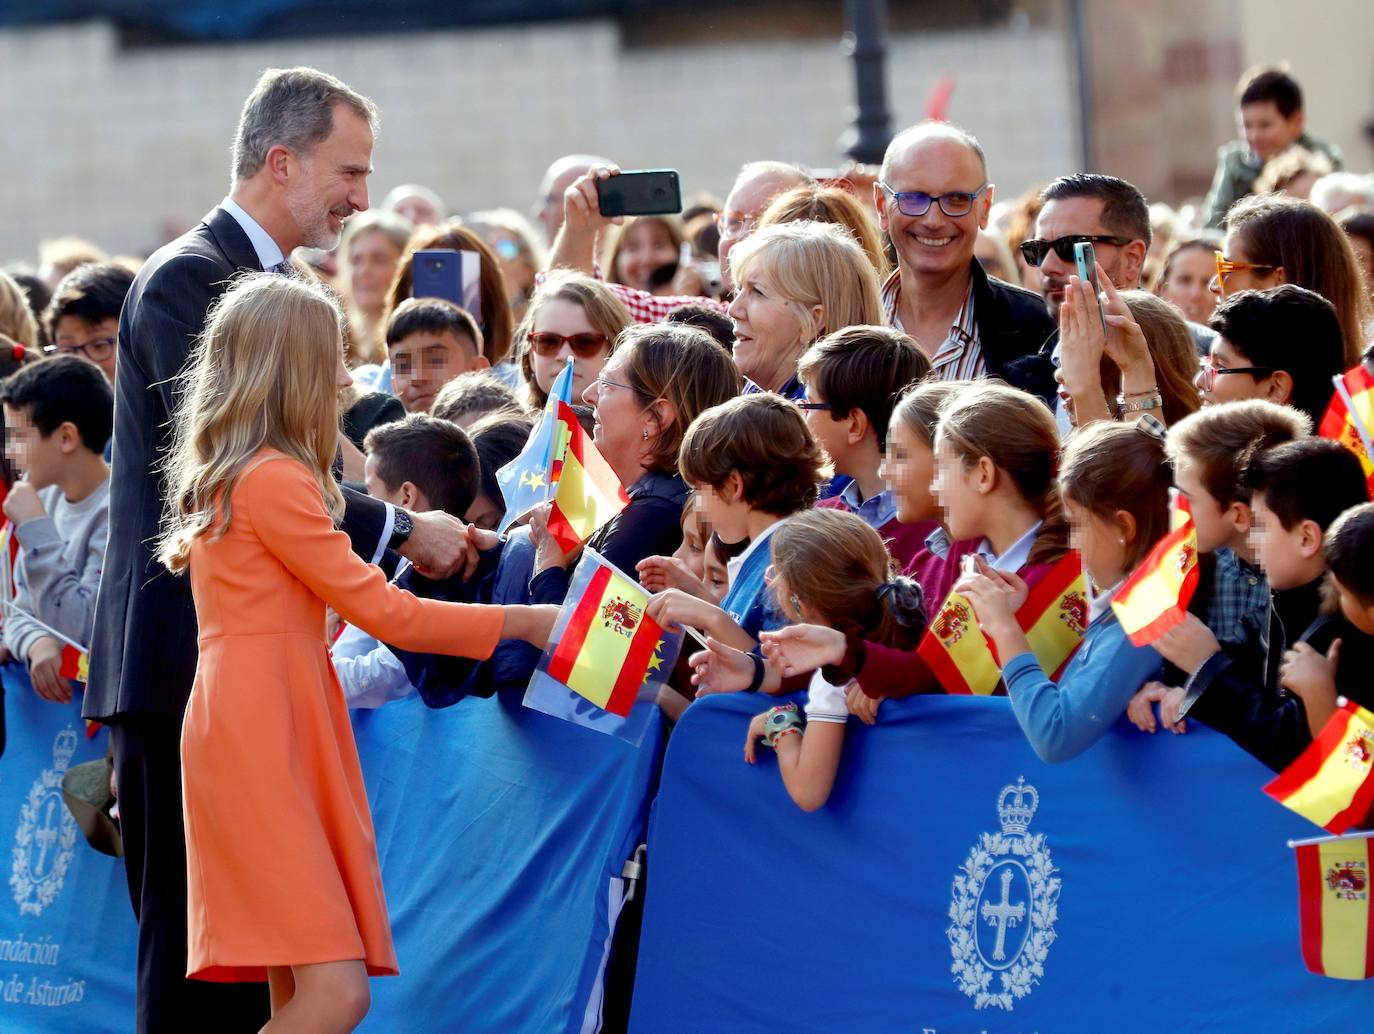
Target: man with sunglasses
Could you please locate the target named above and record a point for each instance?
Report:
(933, 196)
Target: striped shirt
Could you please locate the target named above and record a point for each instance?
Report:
(960, 355)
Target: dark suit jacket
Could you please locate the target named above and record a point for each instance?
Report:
(143, 652)
(1014, 328)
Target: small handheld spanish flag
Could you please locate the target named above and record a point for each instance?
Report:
(76, 664)
(586, 491)
(1054, 618)
(1351, 415)
(1331, 783)
(1155, 597)
(1334, 905)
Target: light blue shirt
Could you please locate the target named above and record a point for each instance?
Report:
(370, 674)
(876, 510)
(1015, 556)
(268, 252)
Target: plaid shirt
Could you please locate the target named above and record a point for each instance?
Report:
(960, 355)
(1239, 610)
(654, 308)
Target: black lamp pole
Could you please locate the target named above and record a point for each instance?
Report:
(870, 120)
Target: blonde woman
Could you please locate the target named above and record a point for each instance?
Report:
(283, 875)
(796, 282)
(16, 318)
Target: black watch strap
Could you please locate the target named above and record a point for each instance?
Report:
(401, 528)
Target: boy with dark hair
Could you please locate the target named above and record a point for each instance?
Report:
(429, 342)
(1298, 489)
(707, 318)
(58, 417)
(470, 397)
(853, 379)
(83, 316)
(1254, 354)
(1270, 113)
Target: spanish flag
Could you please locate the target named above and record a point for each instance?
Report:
(1331, 783)
(1155, 597)
(1351, 415)
(1054, 618)
(76, 663)
(608, 648)
(1334, 906)
(586, 491)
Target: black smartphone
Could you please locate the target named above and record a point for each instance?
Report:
(647, 192)
(1085, 255)
(455, 276)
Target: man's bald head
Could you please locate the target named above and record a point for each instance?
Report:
(757, 184)
(906, 143)
(558, 177)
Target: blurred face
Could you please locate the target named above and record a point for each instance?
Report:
(93, 341)
(1099, 542)
(1266, 131)
(329, 185)
(955, 489)
(1354, 609)
(1364, 255)
(1189, 284)
(399, 496)
(831, 433)
(1228, 385)
(1281, 552)
(714, 573)
(424, 362)
(1216, 526)
(769, 336)
(566, 319)
(37, 456)
(515, 264)
(1242, 279)
(727, 515)
(419, 210)
(1082, 215)
(621, 419)
(646, 247)
(908, 467)
(484, 513)
(934, 243)
(372, 259)
(343, 380)
(693, 547)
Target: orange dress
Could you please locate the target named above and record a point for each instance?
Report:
(282, 862)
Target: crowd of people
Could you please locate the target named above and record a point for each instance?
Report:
(831, 404)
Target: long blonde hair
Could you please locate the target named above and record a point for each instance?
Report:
(261, 377)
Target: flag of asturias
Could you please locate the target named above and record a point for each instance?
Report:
(1334, 906)
(1351, 415)
(1155, 597)
(1331, 783)
(1054, 618)
(527, 480)
(607, 649)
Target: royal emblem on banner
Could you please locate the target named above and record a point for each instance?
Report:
(1349, 881)
(1073, 611)
(1359, 752)
(622, 616)
(46, 836)
(1004, 907)
(952, 622)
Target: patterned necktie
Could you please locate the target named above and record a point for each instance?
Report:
(282, 268)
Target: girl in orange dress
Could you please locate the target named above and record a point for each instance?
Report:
(284, 883)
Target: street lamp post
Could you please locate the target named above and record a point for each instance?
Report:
(870, 120)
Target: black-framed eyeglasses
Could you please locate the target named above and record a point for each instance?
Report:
(97, 351)
(822, 407)
(1035, 250)
(954, 203)
(1210, 372)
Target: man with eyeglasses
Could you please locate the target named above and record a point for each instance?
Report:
(933, 196)
(757, 184)
(83, 316)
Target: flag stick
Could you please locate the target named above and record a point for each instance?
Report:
(46, 628)
(1359, 834)
(1360, 429)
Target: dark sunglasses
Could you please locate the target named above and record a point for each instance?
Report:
(584, 346)
(1035, 250)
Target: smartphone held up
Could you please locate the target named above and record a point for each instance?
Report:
(645, 192)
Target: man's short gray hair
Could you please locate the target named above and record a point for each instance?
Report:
(293, 107)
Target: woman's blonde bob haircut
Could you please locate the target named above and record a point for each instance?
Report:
(262, 376)
(810, 264)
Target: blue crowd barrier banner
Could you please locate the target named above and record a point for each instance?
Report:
(502, 834)
(67, 932)
(955, 883)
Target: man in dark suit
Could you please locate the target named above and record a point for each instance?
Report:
(301, 161)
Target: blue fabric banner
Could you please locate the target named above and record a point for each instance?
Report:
(67, 932)
(502, 834)
(955, 883)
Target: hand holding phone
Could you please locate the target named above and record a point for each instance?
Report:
(1086, 256)
(646, 192)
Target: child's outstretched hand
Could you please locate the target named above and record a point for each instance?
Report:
(22, 504)
(657, 573)
(1188, 644)
(861, 705)
(755, 734)
(799, 648)
(1141, 708)
(720, 668)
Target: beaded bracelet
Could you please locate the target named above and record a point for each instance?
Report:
(1155, 401)
(779, 721)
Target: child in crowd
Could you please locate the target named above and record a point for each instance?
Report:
(1253, 355)
(58, 417)
(83, 316)
(429, 342)
(1115, 486)
(499, 439)
(1209, 451)
(419, 464)
(686, 568)
(830, 567)
(751, 462)
(471, 396)
(853, 379)
(266, 744)
(1298, 489)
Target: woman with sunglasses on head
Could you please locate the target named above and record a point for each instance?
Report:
(1273, 240)
(571, 316)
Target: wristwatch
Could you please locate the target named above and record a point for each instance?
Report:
(401, 528)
